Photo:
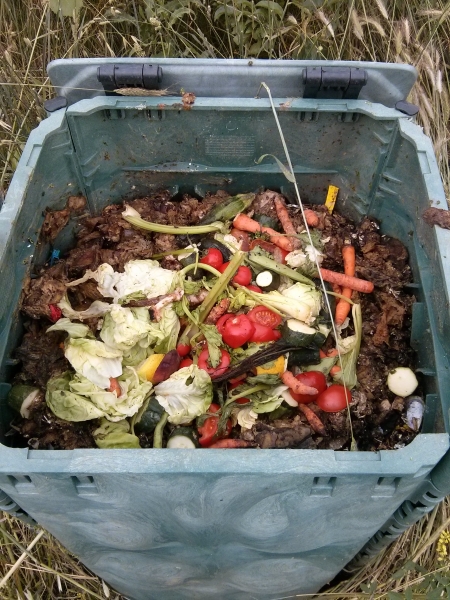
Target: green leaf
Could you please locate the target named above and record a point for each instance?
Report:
(271, 6)
(289, 176)
(408, 594)
(369, 588)
(214, 341)
(264, 378)
(435, 594)
(66, 7)
(394, 596)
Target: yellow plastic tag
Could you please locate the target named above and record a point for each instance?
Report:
(331, 198)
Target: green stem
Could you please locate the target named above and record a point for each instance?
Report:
(172, 253)
(158, 433)
(268, 263)
(171, 229)
(257, 297)
(200, 266)
(245, 393)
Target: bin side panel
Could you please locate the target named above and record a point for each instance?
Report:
(218, 536)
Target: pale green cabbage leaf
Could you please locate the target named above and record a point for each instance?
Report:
(115, 435)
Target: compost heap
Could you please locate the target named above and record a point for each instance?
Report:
(141, 338)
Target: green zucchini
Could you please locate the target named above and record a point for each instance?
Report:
(299, 334)
(21, 397)
(150, 417)
(268, 281)
(183, 438)
(303, 357)
(266, 221)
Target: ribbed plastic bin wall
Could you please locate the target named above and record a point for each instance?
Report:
(174, 524)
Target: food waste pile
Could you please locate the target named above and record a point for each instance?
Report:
(225, 322)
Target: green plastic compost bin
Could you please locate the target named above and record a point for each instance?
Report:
(213, 524)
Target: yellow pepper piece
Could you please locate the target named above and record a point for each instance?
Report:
(148, 368)
(275, 367)
(331, 198)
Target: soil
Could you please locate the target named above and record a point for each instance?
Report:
(378, 418)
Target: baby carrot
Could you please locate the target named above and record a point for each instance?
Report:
(311, 217)
(297, 386)
(286, 222)
(354, 283)
(313, 419)
(245, 223)
(343, 307)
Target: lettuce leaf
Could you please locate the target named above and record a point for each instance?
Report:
(187, 394)
(115, 435)
(123, 328)
(169, 328)
(94, 360)
(66, 404)
(96, 309)
(75, 330)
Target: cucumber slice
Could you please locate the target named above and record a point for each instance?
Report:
(21, 397)
(303, 357)
(268, 281)
(297, 333)
(182, 438)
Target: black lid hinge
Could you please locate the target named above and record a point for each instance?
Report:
(333, 82)
(116, 76)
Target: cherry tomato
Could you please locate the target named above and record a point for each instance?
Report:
(334, 398)
(264, 334)
(243, 274)
(222, 320)
(241, 236)
(237, 331)
(208, 430)
(243, 400)
(213, 258)
(314, 379)
(264, 316)
(254, 288)
(183, 349)
(186, 362)
(203, 363)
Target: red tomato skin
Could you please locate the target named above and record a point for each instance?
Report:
(241, 236)
(222, 320)
(254, 288)
(243, 276)
(223, 267)
(220, 369)
(333, 399)
(264, 316)
(243, 400)
(237, 331)
(208, 430)
(183, 349)
(236, 381)
(264, 334)
(213, 258)
(213, 408)
(186, 362)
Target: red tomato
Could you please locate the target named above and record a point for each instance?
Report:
(241, 236)
(243, 274)
(237, 331)
(254, 288)
(236, 381)
(186, 362)
(243, 400)
(264, 316)
(314, 379)
(334, 398)
(264, 334)
(183, 349)
(222, 320)
(208, 430)
(203, 363)
(213, 258)
(279, 255)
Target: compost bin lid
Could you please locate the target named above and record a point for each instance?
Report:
(79, 78)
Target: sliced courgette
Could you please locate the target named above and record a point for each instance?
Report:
(150, 418)
(190, 259)
(182, 438)
(21, 397)
(303, 357)
(268, 281)
(297, 333)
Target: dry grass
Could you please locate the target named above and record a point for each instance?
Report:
(31, 34)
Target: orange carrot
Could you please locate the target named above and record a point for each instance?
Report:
(231, 444)
(286, 222)
(336, 288)
(244, 223)
(333, 352)
(311, 217)
(114, 386)
(313, 419)
(297, 386)
(343, 307)
(354, 283)
(335, 370)
(322, 354)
